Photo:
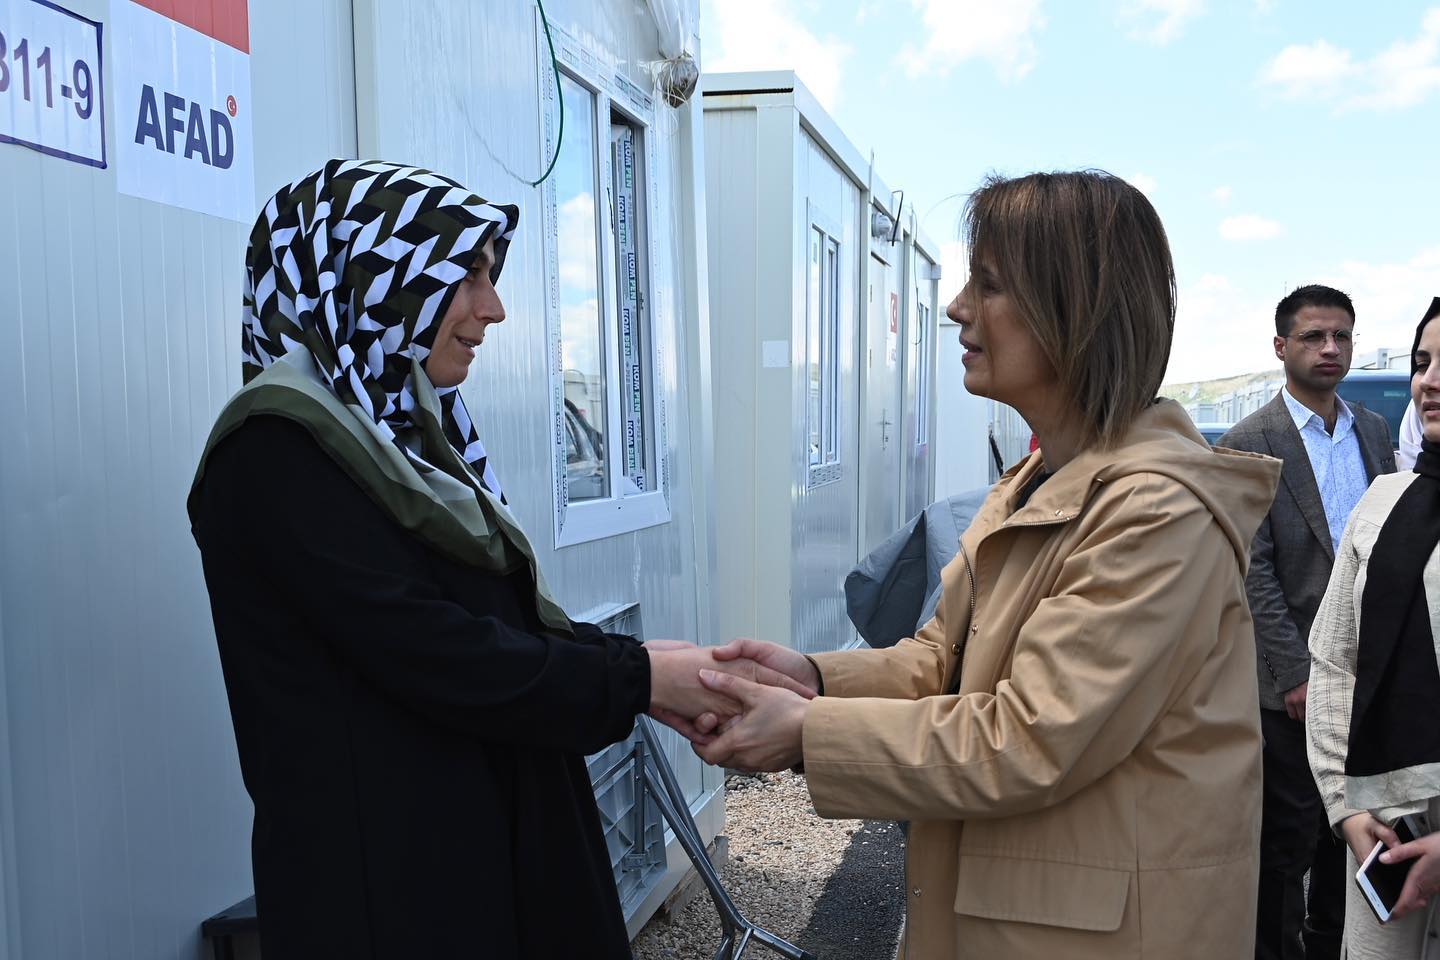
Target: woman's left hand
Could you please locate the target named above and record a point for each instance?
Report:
(1423, 881)
(766, 735)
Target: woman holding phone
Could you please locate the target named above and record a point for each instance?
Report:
(1375, 682)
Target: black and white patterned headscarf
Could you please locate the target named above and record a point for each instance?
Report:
(357, 263)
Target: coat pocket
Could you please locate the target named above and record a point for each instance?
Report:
(1068, 895)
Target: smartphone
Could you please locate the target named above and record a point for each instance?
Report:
(1381, 883)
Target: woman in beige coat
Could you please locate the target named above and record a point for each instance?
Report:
(1075, 735)
(1375, 680)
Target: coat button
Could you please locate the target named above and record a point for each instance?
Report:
(1058, 513)
(974, 628)
(955, 649)
(915, 892)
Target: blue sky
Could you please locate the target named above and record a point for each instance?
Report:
(1281, 142)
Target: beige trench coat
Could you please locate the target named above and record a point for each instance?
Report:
(1075, 736)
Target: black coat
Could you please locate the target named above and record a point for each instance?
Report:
(411, 738)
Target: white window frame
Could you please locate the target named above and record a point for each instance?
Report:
(831, 465)
(616, 514)
(924, 320)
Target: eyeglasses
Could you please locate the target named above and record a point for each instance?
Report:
(1315, 339)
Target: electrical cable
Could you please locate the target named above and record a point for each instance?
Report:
(559, 96)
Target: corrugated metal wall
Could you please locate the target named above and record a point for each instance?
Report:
(123, 822)
(736, 269)
(783, 545)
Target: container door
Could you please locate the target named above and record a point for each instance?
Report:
(881, 407)
(918, 308)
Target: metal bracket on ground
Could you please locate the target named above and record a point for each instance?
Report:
(737, 932)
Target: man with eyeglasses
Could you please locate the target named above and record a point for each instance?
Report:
(1331, 453)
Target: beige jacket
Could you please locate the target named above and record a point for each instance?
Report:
(1085, 782)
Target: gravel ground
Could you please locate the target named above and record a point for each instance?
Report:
(781, 855)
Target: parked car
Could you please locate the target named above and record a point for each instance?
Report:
(584, 456)
(1212, 431)
(1386, 392)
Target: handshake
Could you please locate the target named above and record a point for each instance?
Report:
(742, 705)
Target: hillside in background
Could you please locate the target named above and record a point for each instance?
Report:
(1207, 391)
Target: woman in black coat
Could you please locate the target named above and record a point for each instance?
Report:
(411, 707)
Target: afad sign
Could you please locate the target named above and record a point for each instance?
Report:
(182, 98)
(184, 129)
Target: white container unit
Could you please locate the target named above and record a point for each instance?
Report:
(963, 461)
(591, 397)
(123, 819)
(822, 352)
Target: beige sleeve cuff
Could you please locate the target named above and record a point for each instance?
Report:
(908, 670)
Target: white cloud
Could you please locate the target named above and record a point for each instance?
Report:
(766, 35)
(1263, 7)
(1405, 73)
(869, 9)
(1221, 194)
(1390, 298)
(1222, 330)
(576, 227)
(1172, 16)
(580, 336)
(1144, 183)
(1402, 75)
(960, 30)
(1248, 226)
(1318, 69)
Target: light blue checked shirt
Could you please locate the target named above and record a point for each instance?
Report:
(1334, 459)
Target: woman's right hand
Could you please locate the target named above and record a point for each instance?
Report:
(794, 666)
(783, 660)
(1362, 831)
(699, 712)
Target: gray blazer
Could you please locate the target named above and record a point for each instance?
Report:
(1291, 556)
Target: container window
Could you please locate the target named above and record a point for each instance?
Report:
(822, 355)
(582, 344)
(922, 374)
(609, 465)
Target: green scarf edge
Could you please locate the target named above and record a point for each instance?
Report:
(497, 547)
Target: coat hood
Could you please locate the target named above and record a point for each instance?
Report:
(1236, 487)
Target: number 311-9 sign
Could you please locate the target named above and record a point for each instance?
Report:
(50, 88)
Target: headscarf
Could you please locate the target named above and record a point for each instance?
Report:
(357, 263)
(348, 274)
(1430, 314)
(1393, 755)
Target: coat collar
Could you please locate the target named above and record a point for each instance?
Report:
(1236, 487)
(1064, 495)
(1301, 415)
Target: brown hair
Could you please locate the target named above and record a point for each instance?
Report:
(1084, 257)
